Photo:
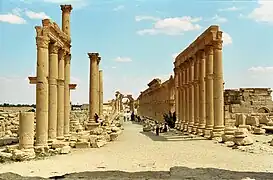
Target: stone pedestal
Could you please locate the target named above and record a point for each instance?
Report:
(26, 130)
(42, 91)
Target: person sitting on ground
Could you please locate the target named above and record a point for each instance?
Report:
(165, 129)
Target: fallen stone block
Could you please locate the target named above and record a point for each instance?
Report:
(65, 150)
(59, 144)
(258, 131)
(113, 136)
(4, 156)
(83, 145)
(23, 155)
(229, 143)
(98, 144)
(244, 141)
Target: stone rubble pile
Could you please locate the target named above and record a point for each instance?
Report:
(257, 123)
(79, 137)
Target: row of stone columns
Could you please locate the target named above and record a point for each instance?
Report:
(199, 92)
(95, 90)
(52, 85)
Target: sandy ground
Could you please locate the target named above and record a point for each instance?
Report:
(138, 151)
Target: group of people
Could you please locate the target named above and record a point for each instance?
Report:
(161, 128)
(97, 119)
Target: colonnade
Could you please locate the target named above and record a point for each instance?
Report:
(199, 85)
(158, 99)
(53, 80)
(95, 90)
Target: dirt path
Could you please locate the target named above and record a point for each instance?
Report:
(136, 151)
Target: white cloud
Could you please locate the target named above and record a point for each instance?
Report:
(118, 8)
(17, 11)
(263, 13)
(36, 15)
(173, 26)
(233, 8)
(12, 19)
(226, 39)
(260, 69)
(123, 59)
(113, 67)
(141, 18)
(219, 19)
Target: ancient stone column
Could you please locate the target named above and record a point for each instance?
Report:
(177, 98)
(196, 93)
(191, 95)
(181, 97)
(98, 90)
(187, 105)
(101, 93)
(93, 90)
(60, 102)
(202, 94)
(209, 91)
(53, 98)
(67, 106)
(66, 10)
(184, 97)
(26, 130)
(218, 91)
(42, 91)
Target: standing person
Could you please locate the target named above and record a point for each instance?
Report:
(96, 117)
(157, 128)
(165, 129)
(133, 116)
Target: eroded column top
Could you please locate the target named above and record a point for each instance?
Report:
(66, 8)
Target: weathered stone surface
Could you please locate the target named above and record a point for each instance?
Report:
(65, 150)
(240, 119)
(252, 120)
(258, 131)
(22, 155)
(83, 145)
(8, 140)
(113, 136)
(243, 141)
(98, 143)
(4, 156)
(59, 144)
(229, 143)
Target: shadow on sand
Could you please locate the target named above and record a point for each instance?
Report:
(175, 173)
(172, 136)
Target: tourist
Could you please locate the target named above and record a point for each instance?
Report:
(165, 129)
(96, 117)
(133, 116)
(157, 128)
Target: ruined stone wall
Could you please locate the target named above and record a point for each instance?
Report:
(157, 100)
(246, 101)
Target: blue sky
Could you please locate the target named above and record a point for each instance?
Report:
(137, 40)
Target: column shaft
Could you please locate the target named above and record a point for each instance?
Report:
(181, 97)
(26, 130)
(184, 97)
(218, 90)
(191, 96)
(177, 96)
(42, 91)
(60, 102)
(187, 105)
(202, 94)
(101, 92)
(93, 87)
(53, 76)
(196, 93)
(209, 90)
(66, 10)
(67, 106)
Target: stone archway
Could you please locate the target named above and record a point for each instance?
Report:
(263, 110)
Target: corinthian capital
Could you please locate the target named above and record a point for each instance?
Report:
(61, 54)
(54, 48)
(66, 8)
(209, 49)
(218, 44)
(42, 41)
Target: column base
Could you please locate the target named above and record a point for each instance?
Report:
(185, 127)
(216, 134)
(190, 128)
(92, 125)
(207, 133)
(200, 131)
(194, 129)
(181, 126)
(60, 138)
